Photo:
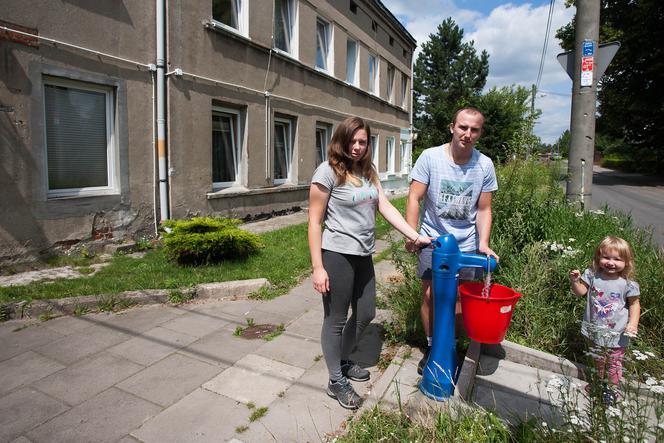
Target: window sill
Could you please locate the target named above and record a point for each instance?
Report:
(50, 196)
(221, 28)
(241, 191)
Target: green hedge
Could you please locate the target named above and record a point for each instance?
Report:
(203, 240)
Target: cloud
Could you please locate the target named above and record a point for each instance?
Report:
(513, 35)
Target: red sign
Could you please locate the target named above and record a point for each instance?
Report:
(586, 64)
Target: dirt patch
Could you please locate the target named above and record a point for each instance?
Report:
(258, 331)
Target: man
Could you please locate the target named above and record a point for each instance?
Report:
(456, 181)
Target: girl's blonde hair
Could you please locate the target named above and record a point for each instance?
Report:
(622, 248)
(338, 152)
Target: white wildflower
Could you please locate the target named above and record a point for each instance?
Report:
(612, 411)
(544, 424)
(649, 354)
(571, 239)
(651, 381)
(575, 420)
(579, 214)
(658, 389)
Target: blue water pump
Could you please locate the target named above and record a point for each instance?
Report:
(439, 373)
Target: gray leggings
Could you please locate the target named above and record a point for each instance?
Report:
(352, 283)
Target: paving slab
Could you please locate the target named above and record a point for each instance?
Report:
(14, 341)
(106, 417)
(136, 319)
(81, 344)
(170, 379)
(151, 346)
(254, 379)
(83, 380)
(195, 324)
(299, 300)
(308, 324)
(24, 409)
(24, 369)
(21, 439)
(221, 348)
(67, 324)
(293, 350)
(200, 417)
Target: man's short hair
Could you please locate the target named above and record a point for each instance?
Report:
(470, 110)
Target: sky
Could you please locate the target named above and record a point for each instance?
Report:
(513, 34)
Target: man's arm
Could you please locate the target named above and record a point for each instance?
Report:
(483, 222)
(416, 193)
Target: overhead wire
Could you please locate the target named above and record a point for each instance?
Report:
(546, 44)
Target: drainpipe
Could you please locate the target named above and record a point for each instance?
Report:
(161, 110)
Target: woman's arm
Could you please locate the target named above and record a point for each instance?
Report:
(318, 198)
(394, 217)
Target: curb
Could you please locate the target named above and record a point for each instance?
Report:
(507, 350)
(231, 290)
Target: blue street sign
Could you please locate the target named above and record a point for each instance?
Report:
(588, 48)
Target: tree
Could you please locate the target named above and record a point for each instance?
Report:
(507, 117)
(447, 72)
(631, 93)
(562, 144)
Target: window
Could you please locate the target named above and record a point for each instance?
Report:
(374, 151)
(403, 156)
(285, 26)
(353, 7)
(389, 152)
(231, 14)
(80, 144)
(323, 132)
(323, 45)
(391, 41)
(283, 149)
(404, 90)
(373, 74)
(374, 26)
(351, 62)
(390, 83)
(226, 146)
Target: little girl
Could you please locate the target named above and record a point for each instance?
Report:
(612, 308)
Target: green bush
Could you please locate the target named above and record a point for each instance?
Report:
(208, 240)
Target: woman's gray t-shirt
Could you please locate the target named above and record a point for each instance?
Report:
(350, 217)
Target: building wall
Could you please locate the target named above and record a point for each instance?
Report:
(220, 69)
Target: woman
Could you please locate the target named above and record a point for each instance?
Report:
(345, 193)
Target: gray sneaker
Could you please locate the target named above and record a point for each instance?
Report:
(343, 391)
(352, 370)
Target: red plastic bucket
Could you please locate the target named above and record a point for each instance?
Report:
(486, 319)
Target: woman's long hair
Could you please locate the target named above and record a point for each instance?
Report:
(338, 153)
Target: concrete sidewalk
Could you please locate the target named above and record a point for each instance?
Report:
(163, 373)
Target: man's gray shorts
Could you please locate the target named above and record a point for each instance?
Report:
(424, 268)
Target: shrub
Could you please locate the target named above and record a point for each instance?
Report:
(208, 240)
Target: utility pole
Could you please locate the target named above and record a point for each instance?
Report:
(584, 90)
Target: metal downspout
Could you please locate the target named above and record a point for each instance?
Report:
(164, 204)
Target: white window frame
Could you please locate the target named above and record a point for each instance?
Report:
(355, 74)
(391, 74)
(292, 42)
(404, 90)
(389, 152)
(374, 83)
(238, 138)
(112, 152)
(242, 8)
(375, 150)
(403, 156)
(326, 140)
(289, 148)
(328, 35)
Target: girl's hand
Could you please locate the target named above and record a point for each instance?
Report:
(321, 281)
(631, 331)
(575, 275)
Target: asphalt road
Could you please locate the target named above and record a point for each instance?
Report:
(639, 195)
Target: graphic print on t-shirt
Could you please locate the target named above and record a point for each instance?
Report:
(455, 199)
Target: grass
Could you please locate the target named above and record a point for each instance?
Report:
(257, 414)
(283, 261)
